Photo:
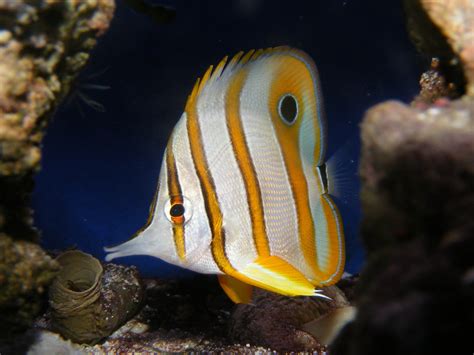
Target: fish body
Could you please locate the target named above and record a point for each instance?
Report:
(242, 191)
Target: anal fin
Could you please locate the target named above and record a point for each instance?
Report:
(238, 291)
(275, 274)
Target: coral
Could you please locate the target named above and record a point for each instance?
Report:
(455, 19)
(417, 173)
(443, 30)
(418, 199)
(25, 272)
(434, 86)
(43, 45)
(42, 49)
(415, 293)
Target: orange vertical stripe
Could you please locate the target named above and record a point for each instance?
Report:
(294, 78)
(245, 163)
(176, 196)
(207, 186)
(336, 241)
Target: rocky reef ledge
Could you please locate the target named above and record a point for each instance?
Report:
(416, 292)
(195, 315)
(43, 46)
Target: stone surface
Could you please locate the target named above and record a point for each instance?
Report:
(275, 321)
(25, 272)
(196, 315)
(415, 294)
(434, 87)
(43, 46)
(177, 316)
(157, 342)
(455, 19)
(417, 171)
(88, 301)
(443, 29)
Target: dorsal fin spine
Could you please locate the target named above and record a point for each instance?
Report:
(220, 67)
(205, 79)
(224, 67)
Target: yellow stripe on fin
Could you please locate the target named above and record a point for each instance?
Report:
(275, 274)
(246, 57)
(204, 79)
(192, 96)
(238, 291)
(236, 59)
(220, 67)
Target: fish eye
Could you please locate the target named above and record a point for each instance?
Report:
(288, 109)
(178, 210)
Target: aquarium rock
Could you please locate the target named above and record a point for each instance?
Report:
(89, 301)
(415, 293)
(25, 272)
(455, 19)
(43, 46)
(189, 315)
(195, 315)
(417, 171)
(277, 321)
(444, 29)
(434, 87)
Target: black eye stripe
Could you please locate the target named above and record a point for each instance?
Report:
(177, 210)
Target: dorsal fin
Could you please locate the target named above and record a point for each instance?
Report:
(224, 69)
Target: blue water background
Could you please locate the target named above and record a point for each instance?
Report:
(100, 168)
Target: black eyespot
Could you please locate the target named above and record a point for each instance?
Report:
(288, 109)
(177, 210)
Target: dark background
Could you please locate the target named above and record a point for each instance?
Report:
(100, 168)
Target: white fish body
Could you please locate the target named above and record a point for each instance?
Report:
(242, 190)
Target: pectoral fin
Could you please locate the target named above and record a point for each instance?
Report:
(238, 291)
(275, 274)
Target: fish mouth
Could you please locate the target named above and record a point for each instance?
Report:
(118, 251)
(135, 246)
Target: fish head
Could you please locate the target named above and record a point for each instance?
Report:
(177, 228)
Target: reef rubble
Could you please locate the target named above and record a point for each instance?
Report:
(195, 315)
